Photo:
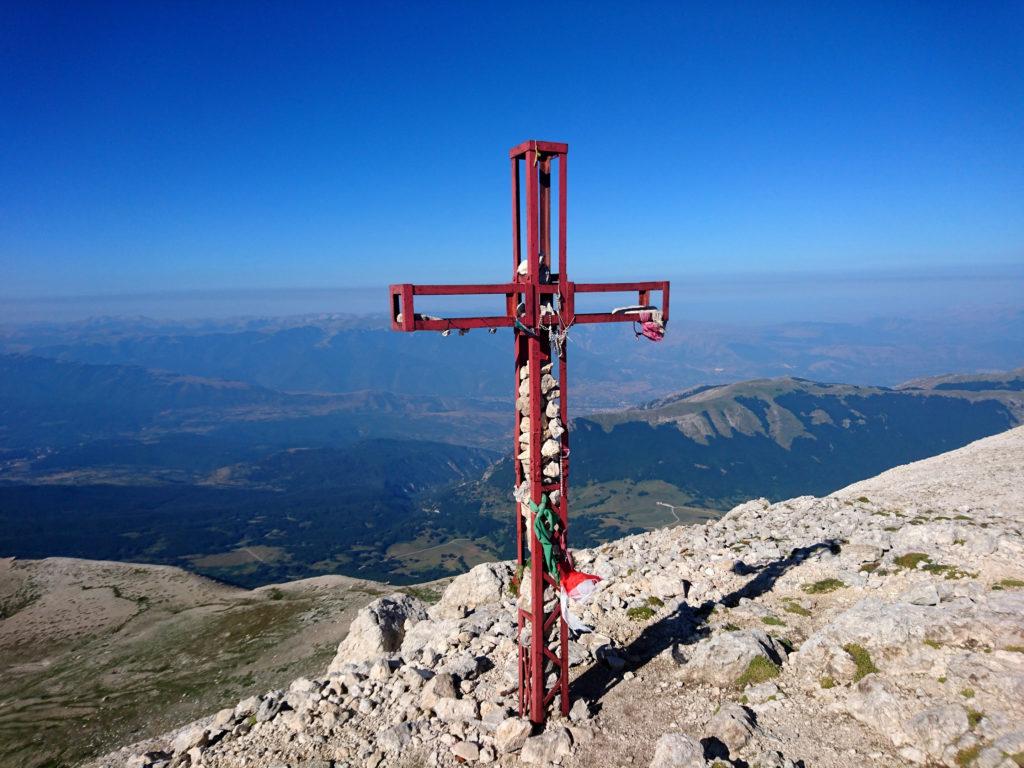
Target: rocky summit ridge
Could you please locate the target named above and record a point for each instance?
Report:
(881, 625)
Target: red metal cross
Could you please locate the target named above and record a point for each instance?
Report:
(540, 307)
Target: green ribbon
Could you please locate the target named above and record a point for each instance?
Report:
(544, 523)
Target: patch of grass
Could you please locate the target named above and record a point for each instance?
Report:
(942, 679)
(1011, 583)
(276, 594)
(640, 613)
(933, 644)
(962, 517)
(911, 560)
(967, 693)
(759, 670)
(792, 606)
(822, 587)
(730, 627)
(891, 528)
(655, 602)
(1015, 648)
(772, 621)
(950, 571)
(974, 717)
(861, 657)
(863, 499)
(427, 595)
(827, 682)
(966, 757)
(1018, 758)
(870, 567)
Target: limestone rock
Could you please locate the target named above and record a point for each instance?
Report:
(733, 725)
(456, 710)
(486, 584)
(466, 751)
(378, 629)
(677, 750)
(395, 738)
(442, 686)
(511, 734)
(548, 747)
(722, 659)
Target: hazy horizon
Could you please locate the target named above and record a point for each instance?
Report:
(737, 297)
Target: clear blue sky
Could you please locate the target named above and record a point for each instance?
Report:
(217, 145)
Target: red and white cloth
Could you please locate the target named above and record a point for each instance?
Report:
(578, 587)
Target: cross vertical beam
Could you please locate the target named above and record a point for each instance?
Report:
(540, 306)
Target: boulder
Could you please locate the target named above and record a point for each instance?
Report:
(677, 750)
(722, 659)
(396, 737)
(442, 686)
(378, 629)
(456, 710)
(732, 725)
(511, 734)
(486, 584)
(466, 751)
(548, 747)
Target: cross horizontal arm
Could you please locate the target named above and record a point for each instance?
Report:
(405, 318)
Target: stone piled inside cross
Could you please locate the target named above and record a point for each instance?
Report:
(540, 307)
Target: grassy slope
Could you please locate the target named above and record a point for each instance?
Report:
(100, 654)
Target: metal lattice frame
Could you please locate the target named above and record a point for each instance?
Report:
(547, 651)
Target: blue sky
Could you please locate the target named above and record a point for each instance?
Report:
(152, 147)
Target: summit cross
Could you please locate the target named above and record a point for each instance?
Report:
(540, 307)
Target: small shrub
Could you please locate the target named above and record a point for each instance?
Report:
(771, 621)
(730, 627)
(974, 717)
(517, 580)
(911, 560)
(933, 644)
(655, 602)
(942, 679)
(966, 757)
(861, 657)
(823, 586)
(863, 499)
(428, 596)
(276, 594)
(967, 693)
(640, 613)
(827, 682)
(759, 670)
(1011, 583)
(791, 606)
(870, 567)
(1018, 758)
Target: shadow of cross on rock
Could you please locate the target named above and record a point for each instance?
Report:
(689, 624)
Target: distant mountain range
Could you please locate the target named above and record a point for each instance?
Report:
(404, 480)
(611, 369)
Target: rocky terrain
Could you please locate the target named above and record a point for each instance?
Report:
(881, 625)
